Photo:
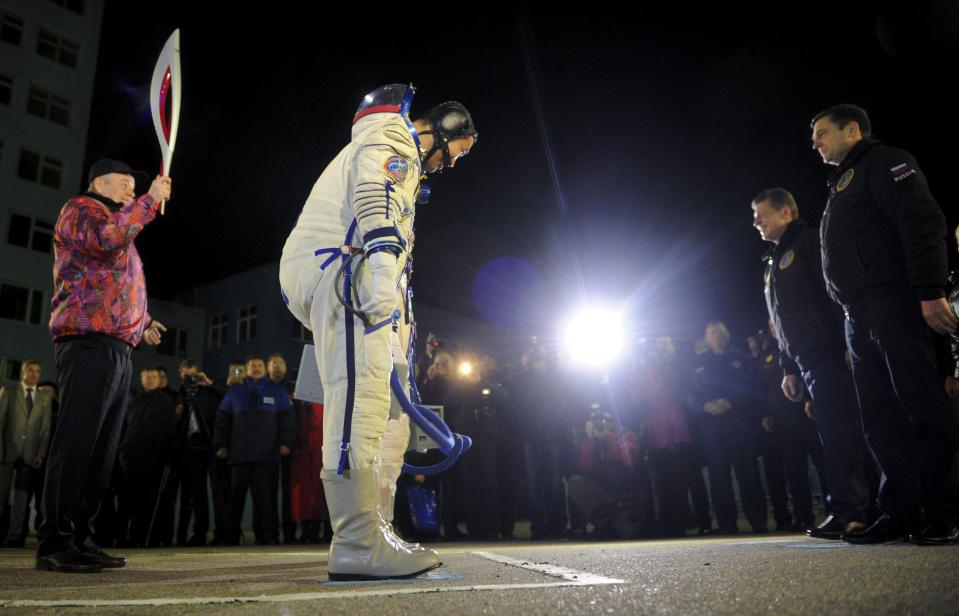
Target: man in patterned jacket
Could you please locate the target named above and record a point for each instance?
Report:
(353, 240)
(99, 314)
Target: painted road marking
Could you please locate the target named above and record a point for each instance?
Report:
(570, 575)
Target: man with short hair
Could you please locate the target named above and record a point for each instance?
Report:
(254, 427)
(98, 315)
(354, 238)
(24, 435)
(884, 261)
(808, 326)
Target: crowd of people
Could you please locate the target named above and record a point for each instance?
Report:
(847, 380)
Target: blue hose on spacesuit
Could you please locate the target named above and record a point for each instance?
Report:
(452, 444)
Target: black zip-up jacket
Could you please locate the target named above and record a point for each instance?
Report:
(882, 231)
(808, 324)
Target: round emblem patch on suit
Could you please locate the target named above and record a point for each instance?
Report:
(844, 181)
(787, 259)
(397, 168)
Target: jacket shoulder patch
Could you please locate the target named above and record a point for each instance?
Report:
(397, 167)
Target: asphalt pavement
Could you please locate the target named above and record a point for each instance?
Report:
(746, 574)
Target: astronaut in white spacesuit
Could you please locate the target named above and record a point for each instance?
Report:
(344, 275)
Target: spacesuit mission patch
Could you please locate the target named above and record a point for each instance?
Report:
(397, 168)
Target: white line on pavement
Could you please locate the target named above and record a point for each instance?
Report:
(570, 575)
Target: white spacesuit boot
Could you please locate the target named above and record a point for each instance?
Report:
(363, 546)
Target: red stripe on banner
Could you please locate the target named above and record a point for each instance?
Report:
(377, 109)
(164, 92)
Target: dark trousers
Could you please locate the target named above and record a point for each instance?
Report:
(193, 495)
(768, 447)
(544, 489)
(261, 480)
(839, 424)
(905, 414)
(221, 492)
(289, 524)
(94, 383)
(799, 443)
(674, 473)
(728, 443)
(481, 489)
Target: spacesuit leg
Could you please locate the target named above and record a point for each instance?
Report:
(362, 546)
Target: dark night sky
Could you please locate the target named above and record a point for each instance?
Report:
(661, 128)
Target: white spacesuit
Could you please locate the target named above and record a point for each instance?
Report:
(353, 239)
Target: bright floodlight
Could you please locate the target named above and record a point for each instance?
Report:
(595, 336)
(466, 369)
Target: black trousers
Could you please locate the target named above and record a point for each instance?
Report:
(769, 448)
(262, 480)
(286, 509)
(840, 427)
(729, 443)
(799, 443)
(909, 426)
(192, 467)
(94, 376)
(545, 491)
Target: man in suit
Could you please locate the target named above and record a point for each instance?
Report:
(24, 435)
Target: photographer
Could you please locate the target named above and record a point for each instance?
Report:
(606, 489)
(197, 402)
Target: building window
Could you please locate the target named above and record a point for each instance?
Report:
(11, 29)
(173, 343)
(6, 89)
(301, 333)
(48, 106)
(10, 369)
(246, 323)
(218, 330)
(40, 169)
(30, 233)
(20, 304)
(77, 6)
(57, 48)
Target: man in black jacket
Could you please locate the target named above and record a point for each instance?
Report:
(884, 260)
(809, 328)
(254, 427)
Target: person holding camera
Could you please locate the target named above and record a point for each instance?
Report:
(197, 402)
(606, 487)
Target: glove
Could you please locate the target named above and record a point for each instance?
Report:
(383, 293)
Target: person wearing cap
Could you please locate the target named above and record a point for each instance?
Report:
(98, 315)
(359, 217)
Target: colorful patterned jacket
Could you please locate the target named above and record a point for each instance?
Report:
(98, 283)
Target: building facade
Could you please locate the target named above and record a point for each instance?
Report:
(48, 56)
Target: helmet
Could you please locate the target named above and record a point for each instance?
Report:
(447, 122)
(392, 98)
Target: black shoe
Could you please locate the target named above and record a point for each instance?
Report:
(884, 530)
(936, 533)
(105, 560)
(196, 541)
(15, 543)
(69, 561)
(831, 528)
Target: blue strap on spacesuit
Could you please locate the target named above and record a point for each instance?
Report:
(350, 351)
